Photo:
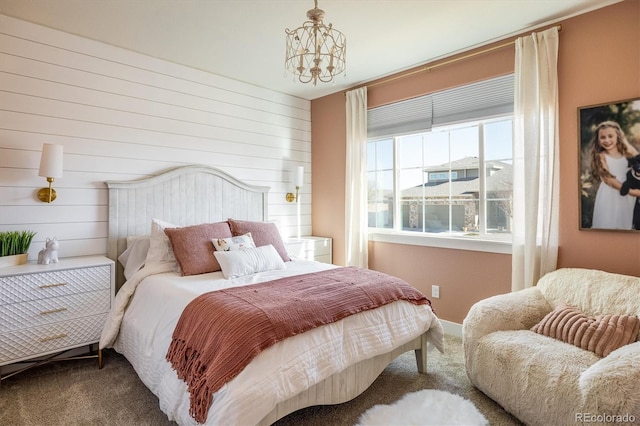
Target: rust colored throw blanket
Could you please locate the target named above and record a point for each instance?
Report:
(220, 332)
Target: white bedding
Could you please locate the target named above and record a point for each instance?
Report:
(278, 373)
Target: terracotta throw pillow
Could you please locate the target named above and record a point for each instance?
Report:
(602, 334)
(263, 233)
(192, 246)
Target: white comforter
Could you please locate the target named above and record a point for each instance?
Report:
(157, 299)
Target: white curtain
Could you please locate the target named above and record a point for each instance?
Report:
(535, 159)
(356, 240)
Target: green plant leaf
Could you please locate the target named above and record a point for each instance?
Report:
(15, 242)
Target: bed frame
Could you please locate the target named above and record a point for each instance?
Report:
(186, 195)
(200, 194)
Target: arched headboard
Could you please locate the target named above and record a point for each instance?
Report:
(186, 195)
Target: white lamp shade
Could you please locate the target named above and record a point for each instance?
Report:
(298, 178)
(51, 161)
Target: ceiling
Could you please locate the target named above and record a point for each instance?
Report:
(245, 39)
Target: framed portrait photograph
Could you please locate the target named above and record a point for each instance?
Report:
(610, 166)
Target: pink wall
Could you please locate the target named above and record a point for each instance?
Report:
(599, 62)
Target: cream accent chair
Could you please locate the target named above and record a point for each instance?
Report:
(541, 380)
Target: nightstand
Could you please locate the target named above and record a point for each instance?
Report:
(49, 309)
(310, 248)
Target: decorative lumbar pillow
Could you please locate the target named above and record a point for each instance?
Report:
(192, 246)
(601, 334)
(159, 245)
(263, 233)
(234, 243)
(248, 261)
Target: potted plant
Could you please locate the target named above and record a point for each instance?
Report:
(14, 246)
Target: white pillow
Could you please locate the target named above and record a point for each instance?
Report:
(134, 257)
(247, 261)
(160, 250)
(234, 243)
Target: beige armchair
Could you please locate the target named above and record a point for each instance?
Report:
(545, 381)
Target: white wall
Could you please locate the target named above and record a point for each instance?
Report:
(121, 115)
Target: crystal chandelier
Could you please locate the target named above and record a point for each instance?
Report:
(315, 51)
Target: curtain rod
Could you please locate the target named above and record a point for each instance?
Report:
(440, 64)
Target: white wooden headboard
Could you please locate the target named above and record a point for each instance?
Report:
(183, 196)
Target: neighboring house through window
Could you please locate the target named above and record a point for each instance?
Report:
(442, 164)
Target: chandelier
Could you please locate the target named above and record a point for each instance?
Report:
(315, 51)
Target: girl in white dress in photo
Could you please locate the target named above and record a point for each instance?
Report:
(609, 168)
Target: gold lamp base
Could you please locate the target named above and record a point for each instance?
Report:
(47, 195)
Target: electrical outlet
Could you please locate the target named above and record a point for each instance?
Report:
(435, 291)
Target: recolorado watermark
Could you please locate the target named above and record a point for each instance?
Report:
(605, 418)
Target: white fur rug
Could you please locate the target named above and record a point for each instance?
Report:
(425, 407)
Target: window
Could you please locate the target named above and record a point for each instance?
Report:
(447, 180)
(440, 176)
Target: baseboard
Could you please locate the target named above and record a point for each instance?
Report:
(452, 328)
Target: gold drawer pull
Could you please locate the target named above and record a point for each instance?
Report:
(58, 336)
(52, 285)
(53, 311)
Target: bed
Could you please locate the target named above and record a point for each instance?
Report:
(329, 364)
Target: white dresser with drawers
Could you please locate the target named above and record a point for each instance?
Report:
(47, 309)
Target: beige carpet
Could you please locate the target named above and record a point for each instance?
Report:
(77, 393)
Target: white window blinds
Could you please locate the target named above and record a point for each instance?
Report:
(466, 103)
(410, 116)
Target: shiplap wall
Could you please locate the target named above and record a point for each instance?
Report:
(121, 115)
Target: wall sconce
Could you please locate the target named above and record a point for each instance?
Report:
(298, 180)
(50, 167)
